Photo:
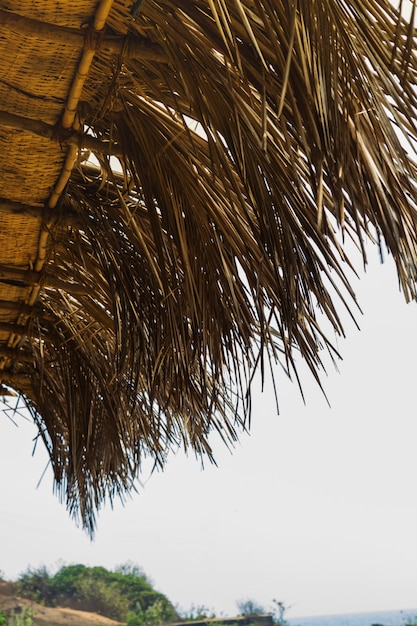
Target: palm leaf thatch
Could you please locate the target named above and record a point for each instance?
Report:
(238, 145)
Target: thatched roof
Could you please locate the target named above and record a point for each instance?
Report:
(140, 291)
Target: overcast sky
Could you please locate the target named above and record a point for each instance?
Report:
(317, 508)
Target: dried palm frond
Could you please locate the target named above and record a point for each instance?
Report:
(240, 144)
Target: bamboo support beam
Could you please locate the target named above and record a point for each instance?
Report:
(29, 277)
(41, 129)
(36, 28)
(17, 208)
(16, 275)
(23, 309)
(66, 218)
(132, 47)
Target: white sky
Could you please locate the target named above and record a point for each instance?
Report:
(316, 508)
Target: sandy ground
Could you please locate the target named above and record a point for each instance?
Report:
(46, 616)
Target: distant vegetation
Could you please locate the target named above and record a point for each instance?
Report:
(125, 595)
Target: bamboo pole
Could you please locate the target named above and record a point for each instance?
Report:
(62, 180)
(70, 110)
(69, 123)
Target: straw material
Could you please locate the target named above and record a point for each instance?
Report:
(176, 188)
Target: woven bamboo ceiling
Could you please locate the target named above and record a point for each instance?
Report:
(177, 180)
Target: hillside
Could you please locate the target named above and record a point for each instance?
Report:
(49, 616)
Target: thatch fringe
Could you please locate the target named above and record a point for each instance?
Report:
(273, 133)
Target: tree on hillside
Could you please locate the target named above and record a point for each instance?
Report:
(119, 594)
(242, 149)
